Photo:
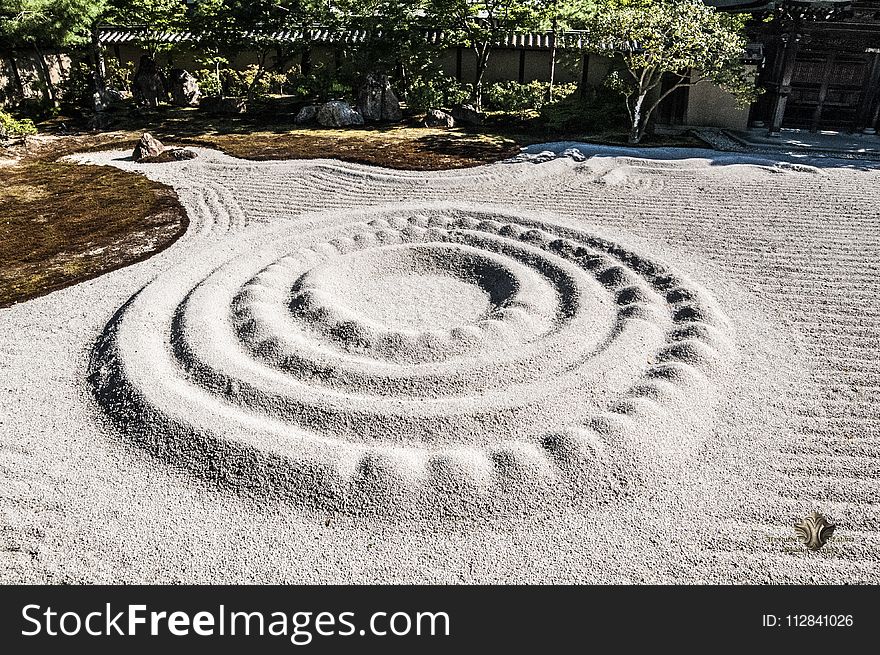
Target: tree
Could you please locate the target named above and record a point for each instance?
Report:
(227, 28)
(555, 17)
(41, 24)
(684, 40)
(156, 15)
(480, 25)
(395, 44)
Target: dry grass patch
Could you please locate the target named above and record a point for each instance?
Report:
(405, 148)
(63, 223)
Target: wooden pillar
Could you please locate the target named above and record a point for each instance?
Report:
(783, 85)
(522, 66)
(866, 116)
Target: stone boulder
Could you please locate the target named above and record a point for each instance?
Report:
(377, 100)
(184, 88)
(227, 106)
(438, 118)
(468, 115)
(338, 114)
(148, 85)
(306, 115)
(148, 146)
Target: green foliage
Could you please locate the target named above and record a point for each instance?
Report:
(119, 74)
(479, 25)
(209, 85)
(394, 45)
(436, 92)
(158, 15)
(10, 126)
(685, 39)
(602, 112)
(513, 96)
(47, 23)
(253, 80)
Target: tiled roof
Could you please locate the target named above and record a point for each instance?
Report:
(534, 40)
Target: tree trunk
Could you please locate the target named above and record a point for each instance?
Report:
(99, 72)
(51, 96)
(98, 63)
(482, 63)
(16, 77)
(637, 129)
(552, 62)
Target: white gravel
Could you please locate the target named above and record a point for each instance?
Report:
(582, 365)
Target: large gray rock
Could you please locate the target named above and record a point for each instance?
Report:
(218, 105)
(338, 114)
(307, 114)
(377, 100)
(149, 146)
(438, 118)
(468, 115)
(183, 87)
(148, 85)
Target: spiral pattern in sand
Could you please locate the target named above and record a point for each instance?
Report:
(431, 357)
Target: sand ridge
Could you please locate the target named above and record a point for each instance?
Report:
(585, 345)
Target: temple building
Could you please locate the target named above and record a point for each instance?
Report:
(819, 64)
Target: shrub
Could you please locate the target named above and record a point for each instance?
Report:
(10, 126)
(119, 74)
(209, 85)
(513, 96)
(320, 86)
(602, 111)
(434, 92)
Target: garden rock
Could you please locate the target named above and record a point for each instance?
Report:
(149, 146)
(184, 88)
(377, 100)
(218, 105)
(170, 154)
(338, 114)
(148, 87)
(181, 154)
(468, 115)
(307, 114)
(438, 118)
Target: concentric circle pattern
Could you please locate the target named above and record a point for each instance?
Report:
(418, 358)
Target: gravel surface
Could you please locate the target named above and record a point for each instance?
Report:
(585, 364)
